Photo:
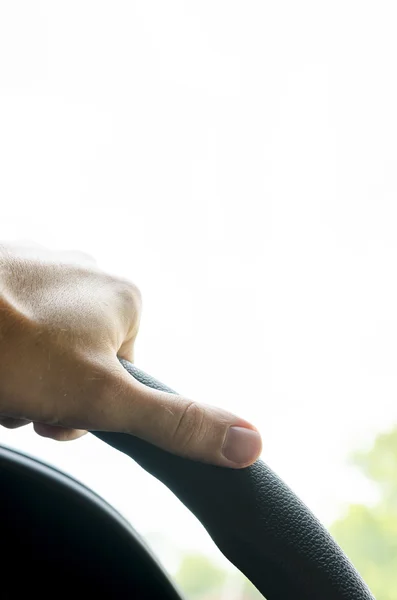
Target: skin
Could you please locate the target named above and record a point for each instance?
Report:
(63, 323)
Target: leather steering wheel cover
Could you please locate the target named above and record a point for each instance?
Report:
(258, 523)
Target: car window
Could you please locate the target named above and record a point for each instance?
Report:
(237, 161)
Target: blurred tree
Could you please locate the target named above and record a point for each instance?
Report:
(369, 535)
(198, 577)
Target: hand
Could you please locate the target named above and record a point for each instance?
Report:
(63, 323)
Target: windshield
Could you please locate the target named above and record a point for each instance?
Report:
(236, 161)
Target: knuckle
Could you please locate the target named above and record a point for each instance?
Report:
(190, 427)
(129, 291)
(130, 299)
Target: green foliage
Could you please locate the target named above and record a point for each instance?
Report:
(380, 465)
(200, 579)
(198, 575)
(369, 535)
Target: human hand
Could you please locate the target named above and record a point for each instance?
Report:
(63, 325)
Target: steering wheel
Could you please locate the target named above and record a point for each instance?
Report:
(252, 516)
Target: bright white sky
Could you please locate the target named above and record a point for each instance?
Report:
(237, 160)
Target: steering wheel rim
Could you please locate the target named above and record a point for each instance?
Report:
(253, 517)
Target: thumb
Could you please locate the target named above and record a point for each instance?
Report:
(179, 425)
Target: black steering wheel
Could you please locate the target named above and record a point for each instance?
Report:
(252, 516)
(254, 519)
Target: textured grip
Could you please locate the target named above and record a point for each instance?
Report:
(255, 520)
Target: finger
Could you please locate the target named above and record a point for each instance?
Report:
(179, 425)
(60, 434)
(12, 423)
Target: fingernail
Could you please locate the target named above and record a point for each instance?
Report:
(242, 445)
